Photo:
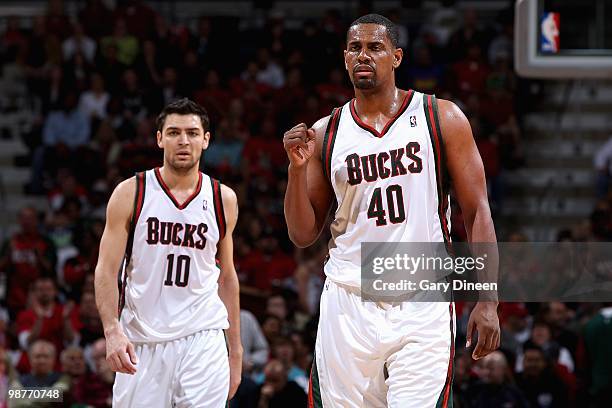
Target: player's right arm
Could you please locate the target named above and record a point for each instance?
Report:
(308, 196)
(119, 350)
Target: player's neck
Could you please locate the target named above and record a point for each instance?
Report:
(176, 180)
(385, 101)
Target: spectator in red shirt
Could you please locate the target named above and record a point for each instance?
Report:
(46, 319)
(95, 389)
(25, 257)
(471, 73)
(334, 92)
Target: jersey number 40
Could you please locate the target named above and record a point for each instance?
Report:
(395, 205)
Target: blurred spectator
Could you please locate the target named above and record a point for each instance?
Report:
(111, 68)
(470, 73)
(269, 72)
(77, 71)
(13, 37)
(283, 350)
(255, 346)
(93, 102)
(514, 323)
(27, 255)
(42, 356)
(133, 98)
(597, 335)
(56, 21)
(443, 22)
(496, 388)
(95, 388)
(271, 327)
(96, 18)
(489, 151)
(202, 42)
(334, 92)
(470, 34)
(80, 43)
(89, 324)
(64, 131)
(46, 319)
(169, 87)
(426, 75)
(557, 315)
(138, 16)
(541, 336)
(541, 385)
(276, 391)
(73, 362)
(126, 44)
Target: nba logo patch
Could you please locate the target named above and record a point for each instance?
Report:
(412, 121)
(204, 205)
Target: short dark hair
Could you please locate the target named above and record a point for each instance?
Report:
(183, 106)
(392, 31)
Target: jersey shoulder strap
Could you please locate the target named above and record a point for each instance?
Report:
(430, 105)
(329, 139)
(218, 203)
(139, 196)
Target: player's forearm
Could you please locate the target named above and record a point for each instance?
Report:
(299, 212)
(107, 298)
(229, 293)
(481, 232)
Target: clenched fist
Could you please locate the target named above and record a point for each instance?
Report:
(299, 142)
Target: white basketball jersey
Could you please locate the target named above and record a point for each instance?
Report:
(390, 186)
(169, 284)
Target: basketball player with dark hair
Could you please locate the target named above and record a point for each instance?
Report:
(169, 230)
(386, 157)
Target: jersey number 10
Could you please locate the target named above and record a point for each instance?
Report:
(181, 277)
(395, 204)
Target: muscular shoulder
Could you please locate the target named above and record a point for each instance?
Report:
(319, 127)
(121, 202)
(230, 204)
(228, 196)
(454, 125)
(450, 115)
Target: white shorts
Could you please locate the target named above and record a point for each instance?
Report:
(192, 371)
(371, 355)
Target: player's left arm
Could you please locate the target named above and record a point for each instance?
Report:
(229, 288)
(468, 177)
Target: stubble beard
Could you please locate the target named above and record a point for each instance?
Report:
(183, 167)
(365, 83)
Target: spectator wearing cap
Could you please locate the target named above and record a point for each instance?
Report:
(514, 327)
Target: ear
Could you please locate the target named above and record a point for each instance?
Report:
(206, 141)
(345, 64)
(398, 55)
(159, 140)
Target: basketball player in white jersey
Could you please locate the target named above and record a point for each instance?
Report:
(385, 157)
(171, 230)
